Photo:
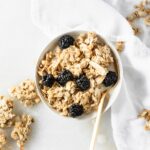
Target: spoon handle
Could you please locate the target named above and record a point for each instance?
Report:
(97, 122)
(22, 147)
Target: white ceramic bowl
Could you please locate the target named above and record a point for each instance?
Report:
(113, 94)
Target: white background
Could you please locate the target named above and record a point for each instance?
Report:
(20, 45)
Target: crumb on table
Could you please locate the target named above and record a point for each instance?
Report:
(145, 114)
(120, 46)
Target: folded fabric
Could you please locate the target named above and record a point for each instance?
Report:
(128, 129)
(126, 7)
(55, 17)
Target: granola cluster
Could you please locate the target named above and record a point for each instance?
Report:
(21, 129)
(146, 115)
(6, 112)
(90, 56)
(142, 10)
(26, 93)
(3, 140)
(8, 119)
(119, 46)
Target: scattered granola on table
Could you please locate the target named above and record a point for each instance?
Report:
(71, 75)
(120, 46)
(3, 140)
(142, 10)
(6, 112)
(22, 130)
(146, 115)
(26, 93)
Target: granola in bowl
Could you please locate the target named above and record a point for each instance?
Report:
(73, 73)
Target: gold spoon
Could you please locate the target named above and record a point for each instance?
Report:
(98, 118)
(100, 111)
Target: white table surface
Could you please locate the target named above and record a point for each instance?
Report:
(20, 45)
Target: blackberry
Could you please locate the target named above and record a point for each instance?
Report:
(65, 41)
(110, 79)
(83, 83)
(64, 77)
(75, 110)
(48, 80)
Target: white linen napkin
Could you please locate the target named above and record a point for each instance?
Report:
(128, 130)
(54, 17)
(57, 16)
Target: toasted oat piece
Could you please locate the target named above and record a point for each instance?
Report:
(120, 46)
(3, 140)
(6, 112)
(22, 129)
(133, 16)
(146, 115)
(147, 21)
(26, 93)
(101, 70)
(136, 30)
(142, 4)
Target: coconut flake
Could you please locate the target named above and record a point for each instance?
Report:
(101, 70)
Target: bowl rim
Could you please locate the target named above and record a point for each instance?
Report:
(47, 48)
